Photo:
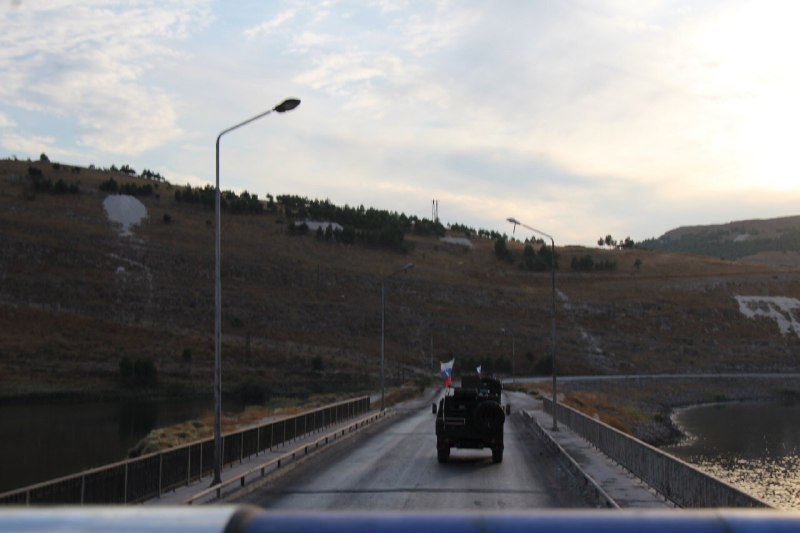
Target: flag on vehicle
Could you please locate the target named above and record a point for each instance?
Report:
(447, 372)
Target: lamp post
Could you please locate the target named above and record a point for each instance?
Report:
(405, 268)
(553, 324)
(513, 356)
(286, 105)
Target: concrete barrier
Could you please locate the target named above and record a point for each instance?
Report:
(591, 488)
(679, 482)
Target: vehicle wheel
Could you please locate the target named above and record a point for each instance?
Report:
(497, 456)
(488, 417)
(444, 454)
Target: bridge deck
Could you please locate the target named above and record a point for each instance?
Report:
(626, 490)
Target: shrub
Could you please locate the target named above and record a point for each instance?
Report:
(126, 370)
(501, 250)
(140, 372)
(109, 185)
(62, 187)
(145, 373)
(252, 391)
(544, 366)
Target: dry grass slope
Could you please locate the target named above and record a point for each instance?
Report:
(302, 316)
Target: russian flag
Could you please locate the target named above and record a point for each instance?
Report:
(447, 372)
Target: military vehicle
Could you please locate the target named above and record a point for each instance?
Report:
(471, 417)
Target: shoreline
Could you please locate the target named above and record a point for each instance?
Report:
(643, 406)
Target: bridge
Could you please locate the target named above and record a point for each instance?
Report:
(388, 463)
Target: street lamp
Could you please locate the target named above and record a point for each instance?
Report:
(513, 357)
(405, 268)
(286, 105)
(553, 327)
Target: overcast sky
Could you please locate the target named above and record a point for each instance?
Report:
(580, 118)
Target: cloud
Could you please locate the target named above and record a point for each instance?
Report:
(90, 61)
(306, 40)
(268, 26)
(424, 34)
(5, 121)
(33, 145)
(26, 144)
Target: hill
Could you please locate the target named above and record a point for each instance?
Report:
(772, 241)
(88, 309)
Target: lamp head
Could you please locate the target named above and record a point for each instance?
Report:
(515, 222)
(287, 105)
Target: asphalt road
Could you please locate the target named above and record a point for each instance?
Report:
(393, 467)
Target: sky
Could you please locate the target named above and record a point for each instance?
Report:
(580, 118)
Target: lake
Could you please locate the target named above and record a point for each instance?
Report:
(39, 442)
(753, 446)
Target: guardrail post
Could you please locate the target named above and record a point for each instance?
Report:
(160, 463)
(83, 487)
(188, 465)
(241, 447)
(125, 490)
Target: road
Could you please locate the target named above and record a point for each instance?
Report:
(393, 467)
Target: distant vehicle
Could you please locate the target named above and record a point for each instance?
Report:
(471, 418)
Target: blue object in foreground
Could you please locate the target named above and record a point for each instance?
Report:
(255, 520)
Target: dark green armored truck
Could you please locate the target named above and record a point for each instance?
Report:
(471, 418)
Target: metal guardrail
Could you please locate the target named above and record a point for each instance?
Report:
(142, 478)
(679, 482)
(283, 459)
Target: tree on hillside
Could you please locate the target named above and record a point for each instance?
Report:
(126, 169)
(501, 250)
(538, 261)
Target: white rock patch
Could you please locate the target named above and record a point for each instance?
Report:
(785, 311)
(458, 241)
(125, 210)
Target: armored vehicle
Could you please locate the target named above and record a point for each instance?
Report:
(471, 418)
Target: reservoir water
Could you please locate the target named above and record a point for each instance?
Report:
(753, 446)
(40, 442)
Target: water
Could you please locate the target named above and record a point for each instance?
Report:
(44, 441)
(753, 446)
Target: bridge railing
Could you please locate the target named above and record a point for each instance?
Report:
(676, 480)
(148, 476)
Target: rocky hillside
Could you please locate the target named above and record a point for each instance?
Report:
(773, 241)
(79, 296)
